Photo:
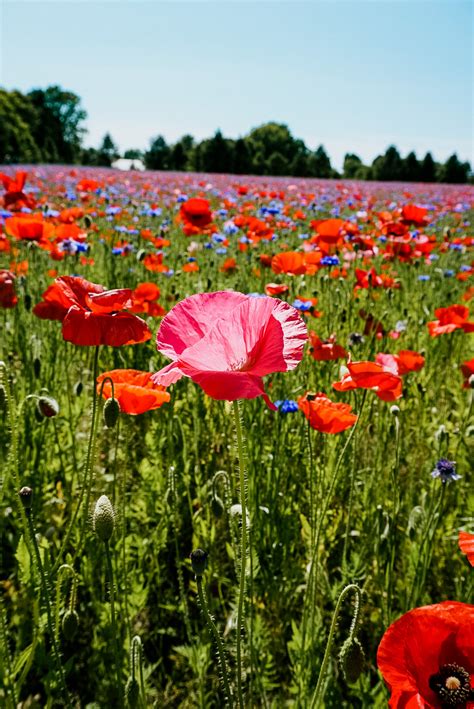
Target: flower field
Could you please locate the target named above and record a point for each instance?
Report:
(236, 439)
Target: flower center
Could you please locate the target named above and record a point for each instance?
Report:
(452, 684)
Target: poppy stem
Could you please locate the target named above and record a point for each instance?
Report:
(318, 695)
(87, 478)
(215, 634)
(243, 550)
(115, 630)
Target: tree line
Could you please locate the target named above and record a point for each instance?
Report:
(46, 126)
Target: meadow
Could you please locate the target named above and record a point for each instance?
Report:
(243, 527)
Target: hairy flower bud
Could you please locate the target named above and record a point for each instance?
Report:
(132, 692)
(103, 520)
(111, 412)
(352, 659)
(198, 561)
(48, 407)
(26, 497)
(70, 624)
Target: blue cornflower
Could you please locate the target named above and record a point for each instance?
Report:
(330, 261)
(302, 305)
(423, 277)
(448, 273)
(456, 247)
(287, 406)
(445, 470)
(221, 250)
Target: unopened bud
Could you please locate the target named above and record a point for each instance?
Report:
(103, 520)
(37, 367)
(70, 624)
(78, 387)
(3, 396)
(351, 659)
(198, 561)
(470, 381)
(48, 407)
(26, 497)
(132, 692)
(217, 506)
(111, 412)
(394, 410)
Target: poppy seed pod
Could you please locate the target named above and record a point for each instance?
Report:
(103, 520)
(351, 659)
(111, 412)
(198, 561)
(70, 624)
(48, 407)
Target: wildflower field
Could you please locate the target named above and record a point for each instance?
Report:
(236, 438)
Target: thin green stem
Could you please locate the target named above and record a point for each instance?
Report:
(215, 634)
(47, 603)
(243, 550)
(318, 695)
(110, 574)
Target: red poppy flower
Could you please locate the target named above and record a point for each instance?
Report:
(370, 375)
(325, 350)
(8, 297)
(191, 267)
(29, 227)
(227, 341)
(402, 363)
(325, 415)
(289, 262)
(14, 197)
(276, 288)
(134, 390)
(415, 215)
(466, 544)
(90, 314)
(144, 300)
(230, 264)
(427, 657)
(451, 318)
(467, 369)
(196, 212)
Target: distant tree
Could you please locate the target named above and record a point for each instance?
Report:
(58, 132)
(320, 164)
(107, 152)
(157, 157)
(270, 138)
(411, 170)
(299, 166)
(428, 169)
(388, 167)
(242, 159)
(17, 114)
(453, 171)
(352, 163)
(217, 154)
(133, 154)
(276, 165)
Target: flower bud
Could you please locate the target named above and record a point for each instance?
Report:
(111, 412)
(103, 520)
(470, 381)
(26, 497)
(217, 506)
(48, 407)
(198, 561)
(132, 692)
(3, 397)
(395, 410)
(78, 387)
(37, 367)
(70, 624)
(352, 659)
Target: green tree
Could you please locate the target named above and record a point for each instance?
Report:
(133, 154)
(428, 169)
(242, 160)
(320, 164)
(217, 154)
(268, 139)
(157, 157)
(17, 144)
(108, 151)
(388, 167)
(58, 131)
(411, 170)
(352, 163)
(453, 171)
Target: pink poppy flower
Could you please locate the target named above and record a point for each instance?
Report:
(227, 341)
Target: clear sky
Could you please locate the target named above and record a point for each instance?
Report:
(353, 75)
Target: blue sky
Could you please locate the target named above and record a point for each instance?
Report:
(354, 76)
